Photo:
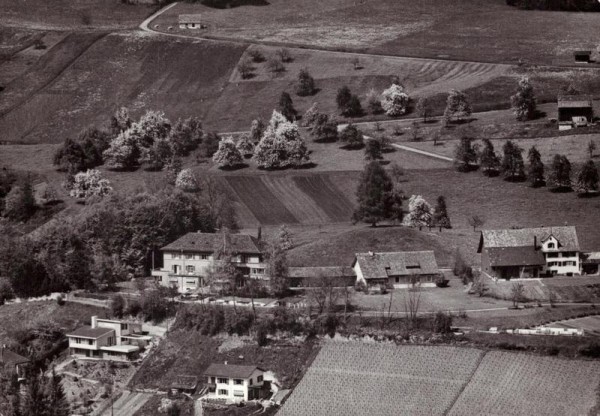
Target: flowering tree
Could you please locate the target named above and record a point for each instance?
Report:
(281, 145)
(523, 102)
(419, 212)
(228, 154)
(123, 151)
(89, 183)
(245, 145)
(186, 181)
(394, 100)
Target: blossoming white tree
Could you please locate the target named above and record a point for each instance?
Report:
(394, 100)
(228, 154)
(419, 212)
(88, 184)
(186, 181)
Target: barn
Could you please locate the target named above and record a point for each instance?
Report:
(575, 111)
(190, 21)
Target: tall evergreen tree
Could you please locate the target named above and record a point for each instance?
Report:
(513, 166)
(36, 402)
(343, 98)
(535, 172)
(464, 155)
(523, 102)
(277, 270)
(489, 162)
(440, 213)
(286, 106)
(57, 400)
(587, 178)
(377, 200)
(560, 174)
(306, 83)
(373, 150)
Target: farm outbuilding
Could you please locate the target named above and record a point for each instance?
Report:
(583, 56)
(316, 276)
(190, 21)
(575, 111)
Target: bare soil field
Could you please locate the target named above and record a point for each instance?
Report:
(361, 377)
(430, 28)
(72, 14)
(86, 77)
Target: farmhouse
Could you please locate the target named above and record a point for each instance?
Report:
(575, 111)
(317, 276)
(530, 252)
(397, 269)
(13, 362)
(190, 21)
(188, 260)
(108, 339)
(236, 382)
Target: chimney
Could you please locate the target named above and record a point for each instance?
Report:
(535, 246)
(259, 233)
(94, 321)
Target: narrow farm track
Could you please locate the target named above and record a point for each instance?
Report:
(127, 404)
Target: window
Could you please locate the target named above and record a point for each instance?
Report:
(550, 245)
(223, 380)
(223, 392)
(397, 279)
(124, 326)
(204, 256)
(259, 379)
(90, 342)
(552, 255)
(238, 381)
(176, 255)
(212, 380)
(238, 393)
(189, 256)
(190, 269)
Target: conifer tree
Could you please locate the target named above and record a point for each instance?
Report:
(535, 172)
(513, 166)
(440, 214)
(377, 200)
(560, 174)
(488, 160)
(57, 400)
(286, 107)
(464, 154)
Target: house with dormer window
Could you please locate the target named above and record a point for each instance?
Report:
(188, 260)
(530, 252)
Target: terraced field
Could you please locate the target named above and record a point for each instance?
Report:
(521, 384)
(291, 199)
(353, 378)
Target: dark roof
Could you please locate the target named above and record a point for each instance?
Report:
(89, 332)
(566, 236)
(189, 18)
(516, 256)
(185, 382)
(319, 272)
(12, 358)
(583, 52)
(207, 242)
(404, 263)
(574, 101)
(231, 370)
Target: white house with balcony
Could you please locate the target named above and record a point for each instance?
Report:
(530, 252)
(108, 339)
(236, 383)
(190, 259)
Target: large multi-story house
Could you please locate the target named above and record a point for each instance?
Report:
(397, 269)
(236, 382)
(190, 259)
(530, 252)
(108, 339)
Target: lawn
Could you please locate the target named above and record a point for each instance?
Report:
(479, 30)
(518, 384)
(86, 77)
(72, 14)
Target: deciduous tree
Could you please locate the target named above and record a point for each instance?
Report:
(352, 137)
(424, 108)
(465, 155)
(587, 178)
(535, 171)
(187, 181)
(457, 106)
(88, 184)
(419, 212)
(489, 162)
(523, 102)
(374, 102)
(281, 145)
(512, 162)
(227, 155)
(394, 100)
(306, 83)
(373, 150)
(560, 174)
(324, 129)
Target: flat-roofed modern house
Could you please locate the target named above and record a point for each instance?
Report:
(530, 252)
(236, 382)
(575, 111)
(398, 269)
(190, 21)
(12, 362)
(188, 260)
(108, 339)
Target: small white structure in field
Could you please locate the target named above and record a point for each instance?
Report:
(190, 21)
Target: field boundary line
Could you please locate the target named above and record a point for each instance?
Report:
(464, 386)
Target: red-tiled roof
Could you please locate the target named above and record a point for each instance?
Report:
(89, 332)
(404, 263)
(207, 243)
(231, 370)
(11, 358)
(516, 256)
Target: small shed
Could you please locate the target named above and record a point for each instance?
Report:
(184, 384)
(583, 56)
(190, 21)
(573, 109)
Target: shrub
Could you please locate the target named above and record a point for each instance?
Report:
(238, 323)
(284, 55)
(591, 350)
(60, 301)
(134, 308)
(275, 66)
(256, 55)
(117, 306)
(209, 145)
(442, 323)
